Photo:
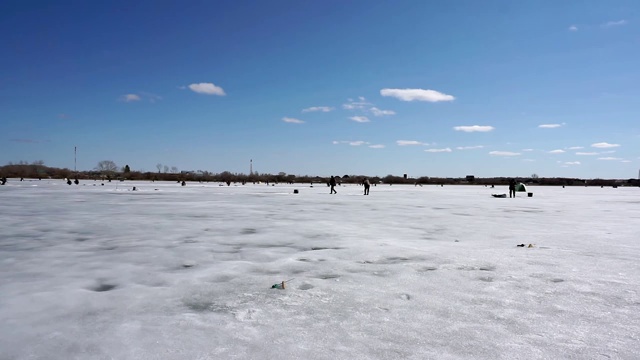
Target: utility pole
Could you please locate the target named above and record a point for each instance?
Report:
(75, 158)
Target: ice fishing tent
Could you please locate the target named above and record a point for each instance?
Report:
(520, 187)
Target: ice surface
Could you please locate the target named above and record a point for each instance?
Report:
(172, 272)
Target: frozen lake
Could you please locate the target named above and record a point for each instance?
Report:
(171, 272)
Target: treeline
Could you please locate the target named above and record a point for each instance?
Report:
(38, 170)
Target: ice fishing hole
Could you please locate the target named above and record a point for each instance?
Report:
(488, 268)
(103, 287)
(428, 268)
(305, 287)
(328, 276)
(316, 248)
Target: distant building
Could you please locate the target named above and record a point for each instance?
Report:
(470, 178)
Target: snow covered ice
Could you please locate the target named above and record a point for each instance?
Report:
(172, 272)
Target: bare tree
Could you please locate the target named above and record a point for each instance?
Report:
(159, 167)
(107, 166)
(166, 169)
(174, 169)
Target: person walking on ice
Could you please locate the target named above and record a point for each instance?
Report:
(367, 185)
(332, 183)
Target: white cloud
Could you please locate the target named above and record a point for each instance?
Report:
(558, 151)
(607, 152)
(550, 126)
(409, 142)
(528, 160)
(604, 145)
(360, 119)
(377, 112)
(356, 105)
(573, 28)
(474, 128)
(366, 107)
(572, 163)
(503, 153)
(377, 146)
(317, 108)
(438, 150)
(352, 143)
(292, 120)
(130, 98)
(587, 153)
(416, 95)
(626, 161)
(469, 147)
(614, 23)
(152, 98)
(576, 148)
(527, 149)
(609, 158)
(207, 89)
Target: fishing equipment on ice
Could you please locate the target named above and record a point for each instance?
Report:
(281, 285)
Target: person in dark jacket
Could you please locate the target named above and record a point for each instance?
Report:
(512, 188)
(332, 183)
(367, 185)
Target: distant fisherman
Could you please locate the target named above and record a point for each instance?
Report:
(332, 183)
(367, 185)
(512, 188)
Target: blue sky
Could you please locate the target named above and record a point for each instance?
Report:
(427, 88)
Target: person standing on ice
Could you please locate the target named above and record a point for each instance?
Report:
(332, 183)
(512, 188)
(367, 185)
